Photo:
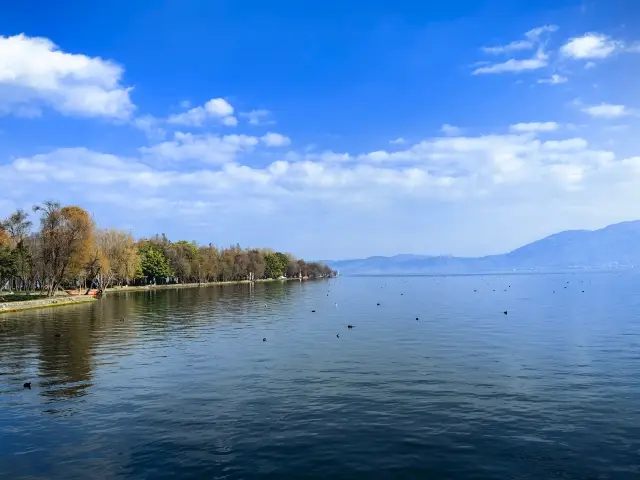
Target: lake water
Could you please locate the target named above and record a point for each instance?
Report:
(185, 385)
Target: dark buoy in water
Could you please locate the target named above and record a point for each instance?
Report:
(264, 339)
(475, 290)
(417, 319)
(313, 311)
(349, 326)
(27, 385)
(338, 335)
(377, 304)
(505, 312)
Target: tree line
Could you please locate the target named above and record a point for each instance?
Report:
(70, 251)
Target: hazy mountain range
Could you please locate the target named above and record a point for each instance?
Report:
(615, 246)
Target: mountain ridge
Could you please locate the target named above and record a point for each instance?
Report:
(613, 246)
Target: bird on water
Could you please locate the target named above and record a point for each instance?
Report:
(505, 312)
(27, 385)
(264, 339)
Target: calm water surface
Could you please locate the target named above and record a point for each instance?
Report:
(185, 386)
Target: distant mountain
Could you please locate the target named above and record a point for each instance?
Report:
(614, 246)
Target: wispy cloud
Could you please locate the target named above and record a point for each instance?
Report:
(531, 41)
(450, 130)
(512, 65)
(258, 117)
(534, 127)
(554, 79)
(397, 141)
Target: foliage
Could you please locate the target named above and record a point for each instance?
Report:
(154, 264)
(69, 250)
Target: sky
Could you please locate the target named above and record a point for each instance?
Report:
(329, 129)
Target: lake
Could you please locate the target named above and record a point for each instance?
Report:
(180, 382)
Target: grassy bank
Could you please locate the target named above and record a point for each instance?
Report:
(57, 301)
(189, 285)
(20, 302)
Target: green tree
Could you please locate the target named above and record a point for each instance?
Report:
(8, 265)
(274, 265)
(153, 263)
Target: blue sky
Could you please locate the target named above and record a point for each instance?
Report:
(330, 130)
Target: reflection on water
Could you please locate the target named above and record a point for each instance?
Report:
(179, 382)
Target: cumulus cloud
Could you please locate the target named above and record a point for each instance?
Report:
(442, 168)
(35, 73)
(275, 140)
(216, 108)
(207, 148)
(518, 170)
(590, 46)
(532, 127)
(555, 79)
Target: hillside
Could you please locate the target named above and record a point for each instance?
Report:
(614, 246)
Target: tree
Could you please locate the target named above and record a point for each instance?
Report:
(118, 255)
(16, 230)
(153, 263)
(67, 241)
(8, 266)
(275, 264)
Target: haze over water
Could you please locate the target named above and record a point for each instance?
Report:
(186, 386)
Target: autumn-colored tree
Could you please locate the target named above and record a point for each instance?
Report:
(68, 249)
(67, 241)
(118, 257)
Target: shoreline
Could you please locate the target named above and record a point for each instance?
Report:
(60, 300)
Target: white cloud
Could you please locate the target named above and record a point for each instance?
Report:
(452, 169)
(590, 45)
(589, 65)
(233, 195)
(532, 40)
(555, 79)
(450, 130)
(206, 148)
(275, 140)
(510, 47)
(397, 141)
(150, 126)
(540, 60)
(607, 110)
(535, 33)
(35, 73)
(258, 117)
(216, 108)
(534, 127)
